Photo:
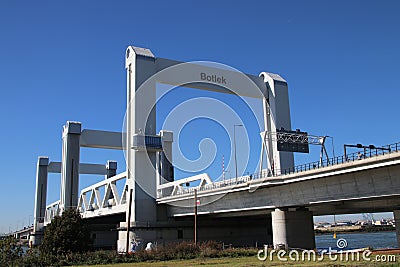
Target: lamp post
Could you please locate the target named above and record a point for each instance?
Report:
(234, 143)
(195, 217)
(230, 174)
(29, 220)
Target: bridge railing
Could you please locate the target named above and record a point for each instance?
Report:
(214, 185)
(228, 182)
(369, 152)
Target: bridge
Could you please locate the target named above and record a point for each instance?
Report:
(21, 234)
(274, 206)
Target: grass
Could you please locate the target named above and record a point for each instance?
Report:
(251, 262)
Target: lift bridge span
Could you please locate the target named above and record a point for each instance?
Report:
(274, 206)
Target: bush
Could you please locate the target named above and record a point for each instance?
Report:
(210, 249)
(66, 234)
(173, 251)
(182, 250)
(10, 251)
(32, 257)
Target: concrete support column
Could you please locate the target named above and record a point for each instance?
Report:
(111, 168)
(396, 215)
(293, 229)
(70, 165)
(40, 201)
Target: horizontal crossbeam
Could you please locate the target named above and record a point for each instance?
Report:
(101, 139)
(84, 168)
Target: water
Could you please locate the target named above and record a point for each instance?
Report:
(24, 248)
(358, 240)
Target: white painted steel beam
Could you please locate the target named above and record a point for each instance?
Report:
(54, 167)
(85, 168)
(111, 202)
(101, 139)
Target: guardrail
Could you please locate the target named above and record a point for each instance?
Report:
(214, 185)
(334, 161)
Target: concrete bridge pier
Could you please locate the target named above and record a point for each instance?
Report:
(293, 229)
(40, 201)
(396, 216)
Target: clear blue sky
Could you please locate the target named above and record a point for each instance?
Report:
(64, 61)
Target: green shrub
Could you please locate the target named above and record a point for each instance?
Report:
(183, 250)
(210, 249)
(66, 234)
(10, 251)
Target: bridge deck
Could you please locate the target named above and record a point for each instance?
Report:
(334, 166)
(365, 185)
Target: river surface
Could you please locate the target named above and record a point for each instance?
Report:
(358, 240)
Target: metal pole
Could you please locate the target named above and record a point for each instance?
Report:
(333, 148)
(321, 154)
(234, 144)
(230, 175)
(195, 217)
(128, 223)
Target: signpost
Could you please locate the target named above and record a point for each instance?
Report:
(195, 216)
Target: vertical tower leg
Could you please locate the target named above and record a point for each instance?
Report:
(277, 116)
(141, 119)
(40, 201)
(70, 165)
(111, 168)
